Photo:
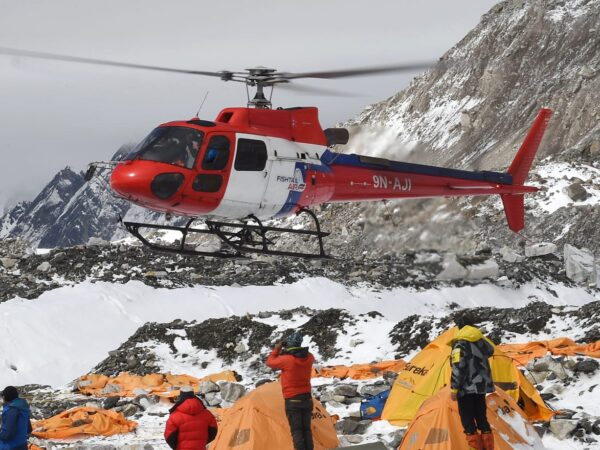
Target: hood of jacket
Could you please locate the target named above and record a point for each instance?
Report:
(19, 403)
(470, 334)
(192, 406)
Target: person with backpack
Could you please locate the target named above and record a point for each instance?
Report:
(16, 423)
(295, 363)
(471, 380)
(190, 425)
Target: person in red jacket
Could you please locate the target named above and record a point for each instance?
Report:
(190, 426)
(295, 363)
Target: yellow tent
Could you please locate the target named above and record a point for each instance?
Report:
(257, 422)
(437, 425)
(429, 371)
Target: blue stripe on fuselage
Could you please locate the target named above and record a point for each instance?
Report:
(330, 158)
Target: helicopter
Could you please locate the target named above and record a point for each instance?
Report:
(258, 163)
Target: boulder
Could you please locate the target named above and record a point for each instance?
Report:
(540, 249)
(580, 265)
(576, 192)
(232, 392)
(588, 366)
(146, 401)
(97, 242)
(347, 390)
(596, 427)
(208, 386)
(110, 402)
(452, 269)
(561, 428)
(44, 267)
(356, 342)
(487, 269)
(240, 347)
(397, 437)
(110, 389)
(370, 389)
(353, 439)
(59, 257)
(346, 426)
(510, 255)
(8, 263)
(212, 398)
(129, 410)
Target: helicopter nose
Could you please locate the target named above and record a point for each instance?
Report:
(139, 183)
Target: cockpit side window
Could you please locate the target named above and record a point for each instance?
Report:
(172, 145)
(217, 153)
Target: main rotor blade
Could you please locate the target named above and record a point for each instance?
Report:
(314, 90)
(356, 72)
(102, 62)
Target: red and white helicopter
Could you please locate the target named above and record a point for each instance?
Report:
(257, 163)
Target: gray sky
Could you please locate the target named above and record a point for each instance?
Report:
(54, 114)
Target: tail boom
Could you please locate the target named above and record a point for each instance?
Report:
(362, 178)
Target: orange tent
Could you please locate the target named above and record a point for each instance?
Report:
(437, 425)
(125, 384)
(523, 353)
(83, 421)
(257, 422)
(359, 371)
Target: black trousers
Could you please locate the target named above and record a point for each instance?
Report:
(298, 410)
(473, 414)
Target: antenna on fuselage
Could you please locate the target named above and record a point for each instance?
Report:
(202, 104)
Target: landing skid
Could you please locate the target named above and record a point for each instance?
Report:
(237, 239)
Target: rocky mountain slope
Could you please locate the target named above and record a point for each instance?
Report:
(473, 109)
(69, 211)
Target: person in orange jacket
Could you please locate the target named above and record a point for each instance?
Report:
(190, 425)
(295, 363)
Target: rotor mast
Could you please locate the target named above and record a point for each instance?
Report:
(258, 77)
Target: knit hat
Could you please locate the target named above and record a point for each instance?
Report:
(295, 339)
(10, 393)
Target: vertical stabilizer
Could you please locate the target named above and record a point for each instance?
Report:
(519, 168)
(514, 204)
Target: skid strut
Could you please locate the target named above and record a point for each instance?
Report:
(237, 238)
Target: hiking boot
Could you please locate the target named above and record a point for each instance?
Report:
(474, 441)
(488, 441)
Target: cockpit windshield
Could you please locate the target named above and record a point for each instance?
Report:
(171, 145)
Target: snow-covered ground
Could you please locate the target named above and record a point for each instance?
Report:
(67, 331)
(75, 327)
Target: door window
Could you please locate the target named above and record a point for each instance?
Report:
(251, 155)
(217, 153)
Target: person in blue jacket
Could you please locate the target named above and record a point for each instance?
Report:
(16, 425)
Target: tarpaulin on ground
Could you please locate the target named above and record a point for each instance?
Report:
(257, 422)
(429, 371)
(359, 371)
(83, 421)
(523, 353)
(128, 385)
(437, 425)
